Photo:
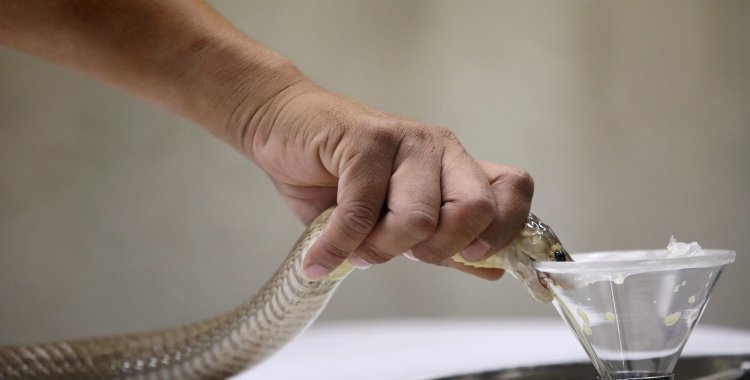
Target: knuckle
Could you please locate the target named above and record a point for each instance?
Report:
(358, 219)
(384, 136)
(447, 134)
(420, 223)
(522, 182)
(421, 133)
(421, 138)
(474, 213)
(479, 204)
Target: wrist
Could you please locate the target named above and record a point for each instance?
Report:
(259, 84)
(228, 83)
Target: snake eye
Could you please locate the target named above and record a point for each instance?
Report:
(560, 256)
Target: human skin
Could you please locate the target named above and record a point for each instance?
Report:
(400, 185)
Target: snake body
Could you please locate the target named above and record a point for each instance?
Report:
(220, 347)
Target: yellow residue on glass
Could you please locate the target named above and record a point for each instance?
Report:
(587, 330)
(610, 316)
(691, 300)
(671, 319)
(584, 321)
(584, 316)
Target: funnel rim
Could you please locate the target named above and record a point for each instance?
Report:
(602, 261)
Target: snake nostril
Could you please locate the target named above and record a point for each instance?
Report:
(560, 256)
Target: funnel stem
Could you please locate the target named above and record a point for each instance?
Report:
(637, 376)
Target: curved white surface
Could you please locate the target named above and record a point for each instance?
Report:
(424, 349)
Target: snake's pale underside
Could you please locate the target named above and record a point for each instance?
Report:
(225, 345)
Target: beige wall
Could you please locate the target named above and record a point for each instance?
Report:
(633, 118)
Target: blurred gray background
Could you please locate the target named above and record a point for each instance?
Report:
(633, 117)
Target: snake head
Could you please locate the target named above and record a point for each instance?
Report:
(539, 242)
(536, 242)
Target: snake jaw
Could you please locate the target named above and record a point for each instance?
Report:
(537, 290)
(523, 270)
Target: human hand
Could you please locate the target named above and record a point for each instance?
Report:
(400, 185)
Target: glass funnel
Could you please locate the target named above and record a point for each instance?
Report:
(633, 311)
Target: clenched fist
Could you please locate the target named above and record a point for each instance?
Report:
(400, 185)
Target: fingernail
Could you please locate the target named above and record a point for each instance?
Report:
(359, 262)
(410, 255)
(476, 250)
(315, 271)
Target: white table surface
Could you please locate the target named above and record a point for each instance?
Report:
(424, 349)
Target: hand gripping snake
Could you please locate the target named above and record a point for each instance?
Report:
(223, 346)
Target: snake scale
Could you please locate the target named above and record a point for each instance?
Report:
(223, 346)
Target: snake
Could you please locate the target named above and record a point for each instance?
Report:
(237, 340)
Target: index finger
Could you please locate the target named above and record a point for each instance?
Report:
(362, 190)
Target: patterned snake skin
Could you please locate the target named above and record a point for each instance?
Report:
(221, 347)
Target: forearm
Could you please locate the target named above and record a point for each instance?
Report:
(179, 54)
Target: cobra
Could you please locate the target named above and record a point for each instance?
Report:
(225, 345)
